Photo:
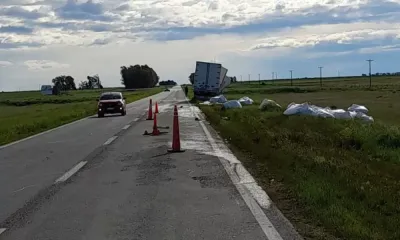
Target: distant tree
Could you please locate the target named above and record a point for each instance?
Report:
(191, 78)
(138, 76)
(92, 82)
(56, 88)
(167, 83)
(64, 83)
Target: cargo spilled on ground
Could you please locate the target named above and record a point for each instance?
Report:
(331, 178)
(26, 113)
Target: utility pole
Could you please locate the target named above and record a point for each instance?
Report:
(291, 77)
(259, 79)
(370, 75)
(241, 80)
(249, 78)
(320, 76)
(272, 77)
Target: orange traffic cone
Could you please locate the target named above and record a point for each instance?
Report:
(156, 110)
(150, 113)
(176, 142)
(155, 128)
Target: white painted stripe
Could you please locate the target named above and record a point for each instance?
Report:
(136, 119)
(2, 230)
(126, 127)
(71, 172)
(110, 140)
(143, 100)
(266, 225)
(39, 134)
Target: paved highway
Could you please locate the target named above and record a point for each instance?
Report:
(126, 186)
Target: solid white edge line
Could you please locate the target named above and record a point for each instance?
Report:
(268, 228)
(47, 131)
(2, 230)
(110, 140)
(71, 172)
(136, 119)
(126, 127)
(68, 124)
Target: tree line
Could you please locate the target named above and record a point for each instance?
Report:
(137, 76)
(382, 74)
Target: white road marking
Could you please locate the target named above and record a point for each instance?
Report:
(110, 140)
(71, 172)
(136, 119)
(77, 121)
(23, 188)
(248, 189)
(126, 127)
(2, 230)
(39, 134)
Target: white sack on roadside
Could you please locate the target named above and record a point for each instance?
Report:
(232, 104)
(218, 99)
(269, 104)
(206, 103)
(312, 110)
(246, 100)
(358, 108)
(363, 117)
(307, 109)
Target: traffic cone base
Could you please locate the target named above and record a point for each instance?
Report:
(175, 151)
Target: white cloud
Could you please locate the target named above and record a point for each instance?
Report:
(5, 63)
(337, 34)
(42, 65)
(87, 36)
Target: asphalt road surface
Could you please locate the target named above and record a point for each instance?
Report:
(126, 185)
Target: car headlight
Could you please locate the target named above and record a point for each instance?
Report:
(100, 105)
(119, 103)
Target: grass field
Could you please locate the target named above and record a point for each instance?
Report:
(333, 179)
(26, 113)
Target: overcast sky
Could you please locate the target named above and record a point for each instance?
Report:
(41, 39)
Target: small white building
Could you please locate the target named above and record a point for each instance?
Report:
(46, 90)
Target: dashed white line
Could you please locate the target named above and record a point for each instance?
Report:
(110, 140)
(71, 172)
(126, 127)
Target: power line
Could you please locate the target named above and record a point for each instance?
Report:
(370, 75)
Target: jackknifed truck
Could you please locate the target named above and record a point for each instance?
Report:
(209, 80)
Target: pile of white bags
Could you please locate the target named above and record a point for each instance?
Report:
(246, 100)
(354, 111)
(232, 104)
(268, 104)
(218, 99)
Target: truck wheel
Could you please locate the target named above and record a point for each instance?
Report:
(123, 113)
(100, 115)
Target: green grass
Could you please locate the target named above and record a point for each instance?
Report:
(36, 113)
(333, 179)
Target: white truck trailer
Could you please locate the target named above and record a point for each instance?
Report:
(209, 79)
